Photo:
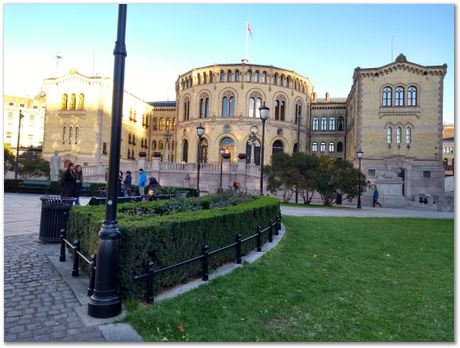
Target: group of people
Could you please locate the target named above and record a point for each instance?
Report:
(147, 190)
(125, 184)
(71, 182)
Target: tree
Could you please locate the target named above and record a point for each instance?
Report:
(282, 175)
(32, 164)
(9, 160)
(307, 166)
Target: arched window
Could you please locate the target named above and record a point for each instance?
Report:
(315, 123)
(237, 76)
(73, 100)
(386, 96)
(277, 110)
(339, 146)
(198, 76)
(222, 76)
(264, 77)
(174, 124)
(204, 106)
(160, 145)
(81, 101)
(332, 123)
(323, 123)
(322, 147)
(76, 135)
(412, 96)
(280, 108)
(331, 148)
(277, 147)
(255, 102)
(340, 123)
(252, 105)
(185, 151)
(154, 145)
(283, 110)
(256, 76)
(229, 76)
(228, 105)
(399, 96)
(398, 135)
(275, 79)
(203, 150)
(253, 149)
(314, 146)
(162, 124)
(224, 107)
(248, 76)
(408, 135)
(258, 106)
(64, 101)
(168, 124)
(70, 135)
(63, 135)
(205, 78)
(298, 113)
(389, 135)
(229, 146)
(154, 122)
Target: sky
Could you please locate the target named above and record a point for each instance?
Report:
(322, 42)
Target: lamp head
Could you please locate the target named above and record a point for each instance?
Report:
(264, 112)
(221, 151)
(360, 154)
(200, 130)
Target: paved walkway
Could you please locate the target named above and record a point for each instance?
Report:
(42, 302)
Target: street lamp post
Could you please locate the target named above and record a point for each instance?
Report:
(21, 116)
(200, 132)
(106, 301)
(167, 136)
(264, 113)
(221, 152)
(299, 116)
(360, 156)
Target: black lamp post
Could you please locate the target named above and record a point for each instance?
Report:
(299, 116)
(200, 132)
(167, 136)
(360, 156)
(21, 116)
(264, 112)
(221, 152)
(106, 301)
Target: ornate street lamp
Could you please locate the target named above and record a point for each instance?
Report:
(264, 113)
(200, 132)
(167, 136)
(21, 116)
(221, 152)
(106, 301)
(360, 156)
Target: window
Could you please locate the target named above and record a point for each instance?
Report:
(399, 96)
(248, 76)
(64, 102)
(331, 147)
(227, 128)
(280, 108)
(254, 105)
(408, 135)
(277, 147)
(76, 134)
(339, 146)
(186, 112)
(322, 147)
(229, 146)
(314, 146)
(198, 76)
(162, 124)
(412, 96)
(21, 105)
(222, 76)
(229, 76)
(154, 145)
(204, 107)
(237, 76)
(332, 123)
(323, 123)
(104, 148)
(11, 104)
(298, 113)
(389, 135)
(264, 77)
(10, 118)
(73, 100)
(185, 151)
(426, 174)
(63, 135)
(70, 135)
(398, 135)
(81, 101)
(371, 173)
(228, 106)
(315, 123)
(8, 138)
(340, 123)
(256, 76)
(30, 139)
(205, 78)
(386, 96)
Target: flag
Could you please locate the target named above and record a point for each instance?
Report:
(249, 29)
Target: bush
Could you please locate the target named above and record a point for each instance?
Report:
(170, 238)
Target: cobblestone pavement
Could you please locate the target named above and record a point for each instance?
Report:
(38, 305)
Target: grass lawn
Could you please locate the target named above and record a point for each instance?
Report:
(329, 280)
(315, 205)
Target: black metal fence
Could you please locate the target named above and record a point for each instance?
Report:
(77, 255)
(149, 275)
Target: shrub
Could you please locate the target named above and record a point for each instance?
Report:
(167, 239)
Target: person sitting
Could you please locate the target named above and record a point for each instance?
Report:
(153, 188)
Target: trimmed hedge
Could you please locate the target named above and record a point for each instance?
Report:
(11, 185)
(168, 239)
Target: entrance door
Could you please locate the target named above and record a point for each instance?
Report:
(402, 175)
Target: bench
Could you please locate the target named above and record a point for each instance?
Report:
(101, 200)
(30, 185)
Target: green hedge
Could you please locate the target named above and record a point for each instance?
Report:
(168, 239)
(11, 185)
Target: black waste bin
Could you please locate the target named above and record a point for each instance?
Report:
(54, 217)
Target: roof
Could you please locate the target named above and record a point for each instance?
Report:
(162, 103)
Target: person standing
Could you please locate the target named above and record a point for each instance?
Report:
(375, 198)
(78, 183)
(120, 184)
(127, 182)
(141, 182)
(68, 181)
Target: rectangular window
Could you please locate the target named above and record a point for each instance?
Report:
(426, 174)
(35, 107)
(21, 105)
(104, 148)
(11, 104)
(10, 118)
(371, 173)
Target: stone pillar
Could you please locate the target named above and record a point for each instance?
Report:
(226, 174)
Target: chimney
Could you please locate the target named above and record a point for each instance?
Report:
(327, 96)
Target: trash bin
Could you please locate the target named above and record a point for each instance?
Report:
(54, 217)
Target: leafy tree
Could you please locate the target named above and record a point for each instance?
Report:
(282, 175)
(307, 167)
(347, 179)
(326, 180)
(32, 164)
(9, 160)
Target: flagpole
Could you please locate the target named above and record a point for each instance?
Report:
(246, 50)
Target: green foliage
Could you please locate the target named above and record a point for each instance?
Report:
(282, 175)
(173, 236)
(307, 167)
(9, 160)
(32, 164)
(329, 280)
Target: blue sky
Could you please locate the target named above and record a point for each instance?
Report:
(322, 42)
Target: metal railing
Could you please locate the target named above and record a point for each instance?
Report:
(150, 272)
(77, 255)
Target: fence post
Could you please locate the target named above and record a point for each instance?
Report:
(270, 231)
(205, 262)
(259, 238)
(92, 278)
(238, 248)
(278, 227)
(62, 254)
(76, 257)
(150, 272)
